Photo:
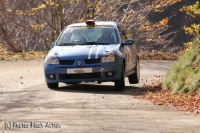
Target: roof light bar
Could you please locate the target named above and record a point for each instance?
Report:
(90, 22)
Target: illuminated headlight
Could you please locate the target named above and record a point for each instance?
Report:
(52, 59)
(109, 58)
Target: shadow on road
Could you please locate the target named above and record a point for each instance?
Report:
(33, 100)
(100, 89)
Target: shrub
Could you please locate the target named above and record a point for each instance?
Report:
(184, 75)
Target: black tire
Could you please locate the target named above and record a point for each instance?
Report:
(52, 85)
(135, 77)
(120, 84)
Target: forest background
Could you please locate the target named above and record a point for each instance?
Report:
(32, 25)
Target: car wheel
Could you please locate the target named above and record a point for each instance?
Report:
(120, 84)
(52, 85)
(135, 77)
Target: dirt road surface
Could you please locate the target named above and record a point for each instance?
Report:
(27, 105)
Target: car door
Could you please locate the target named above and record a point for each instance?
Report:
(133, 54)
(127, 51)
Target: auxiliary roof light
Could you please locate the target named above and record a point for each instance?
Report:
(90, 22)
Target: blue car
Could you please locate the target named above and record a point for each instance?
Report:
(93, 51)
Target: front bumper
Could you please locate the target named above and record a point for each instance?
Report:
(101, 72)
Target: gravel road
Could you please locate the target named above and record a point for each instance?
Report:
(27, 105)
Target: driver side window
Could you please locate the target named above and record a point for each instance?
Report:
(77, 37)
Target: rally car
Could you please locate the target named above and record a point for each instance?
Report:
(93, 51)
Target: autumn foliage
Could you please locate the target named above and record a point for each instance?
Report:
(152, 91)
(184, 76)
(190, 104)
(34, 25)
(180, 87)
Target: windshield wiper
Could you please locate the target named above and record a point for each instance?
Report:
(96, 43)
(66, 44)
(87, 43)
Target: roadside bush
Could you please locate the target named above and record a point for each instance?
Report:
(184, 75)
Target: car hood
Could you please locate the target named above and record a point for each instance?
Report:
(83, 51)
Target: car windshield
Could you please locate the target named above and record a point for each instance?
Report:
(88, 36)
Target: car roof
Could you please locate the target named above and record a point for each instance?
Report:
(101, 23)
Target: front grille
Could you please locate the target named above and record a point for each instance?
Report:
(80, 76)
(92, 61)
(66, 62)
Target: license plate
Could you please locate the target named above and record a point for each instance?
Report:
(79, 70)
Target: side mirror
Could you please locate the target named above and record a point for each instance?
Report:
(52, 45)
(128, 42)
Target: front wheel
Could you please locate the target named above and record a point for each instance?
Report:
(120, 84)
(52, 85)
(135, 77)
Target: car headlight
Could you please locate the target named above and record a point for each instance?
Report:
(109, 58)
(52, 59)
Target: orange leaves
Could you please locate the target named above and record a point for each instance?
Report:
(163, 22)
(19, 12)
(98, 5)
(193, 30)
(158, 56)
(22, 56)
(187, 46)
(57, 5)
(132, 12)
(172, 1)
(159, 4)
(35, 26)
(192, 10)
(32, 11)
(1, 47)
(9, 10)
(184, 102)
(42, 6)
(189, 103)
(49, 2)
(2, 51)
(147, 27)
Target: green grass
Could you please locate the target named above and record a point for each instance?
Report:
(184, 75)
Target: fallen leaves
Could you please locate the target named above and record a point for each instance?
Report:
(152, 91)
(189, 103)
(158, 56)
(22, 56)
